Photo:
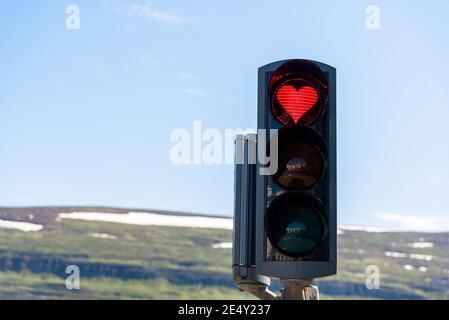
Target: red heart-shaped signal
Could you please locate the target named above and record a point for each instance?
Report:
(297, 102)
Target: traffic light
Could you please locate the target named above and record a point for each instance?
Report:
(296, 231)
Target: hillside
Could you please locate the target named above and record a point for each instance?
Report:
(122, 261)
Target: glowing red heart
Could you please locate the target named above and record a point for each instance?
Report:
(297, 102)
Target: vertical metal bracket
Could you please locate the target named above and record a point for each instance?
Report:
(244, 244)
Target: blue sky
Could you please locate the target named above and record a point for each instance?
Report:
(85, 116)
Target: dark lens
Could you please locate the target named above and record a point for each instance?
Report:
(301, 158)
(297, 229)
(301, 165)
(294, 225)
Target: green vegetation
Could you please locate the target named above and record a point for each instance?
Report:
(146, 262)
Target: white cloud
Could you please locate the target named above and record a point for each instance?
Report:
(422, 223)
(343, 228)
(147, 11)
(192, 92)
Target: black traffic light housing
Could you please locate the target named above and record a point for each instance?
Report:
(296, 207)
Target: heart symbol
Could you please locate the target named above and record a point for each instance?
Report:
(297, 102)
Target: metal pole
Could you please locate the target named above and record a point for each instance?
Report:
(296, 289)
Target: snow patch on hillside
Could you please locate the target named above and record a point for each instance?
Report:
(222, 245)
(152, 219)
(21, 226)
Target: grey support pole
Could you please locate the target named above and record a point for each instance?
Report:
(296, 289)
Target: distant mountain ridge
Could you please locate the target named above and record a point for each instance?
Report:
(123, 261)
(53, 211)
